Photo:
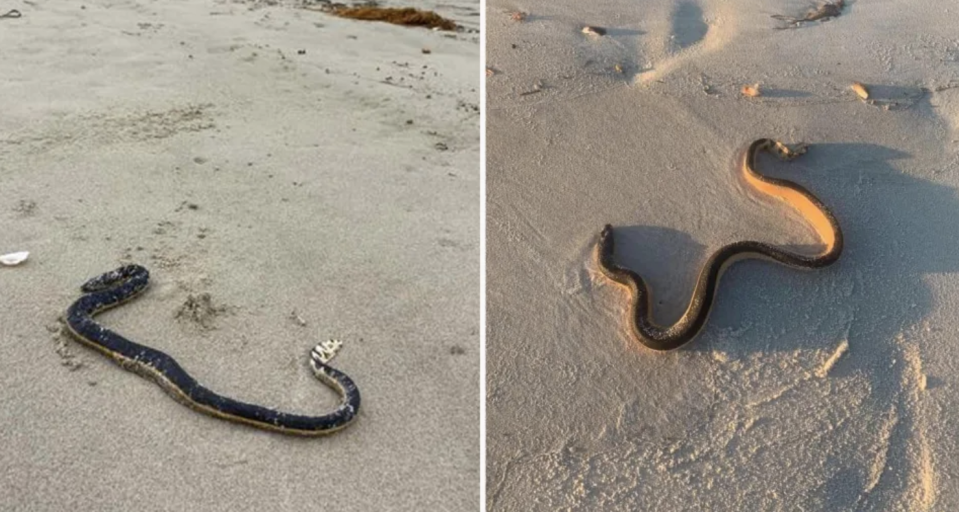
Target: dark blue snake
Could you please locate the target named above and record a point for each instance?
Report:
(123, 284)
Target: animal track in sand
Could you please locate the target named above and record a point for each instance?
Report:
(111, 128)
(200, 310)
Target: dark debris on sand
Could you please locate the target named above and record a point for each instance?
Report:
(396, 15)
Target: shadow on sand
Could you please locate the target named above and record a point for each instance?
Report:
(898, 229)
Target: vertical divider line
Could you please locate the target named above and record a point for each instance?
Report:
(482, 266)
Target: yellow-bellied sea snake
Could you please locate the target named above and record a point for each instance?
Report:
(657, 337)
(125, 283)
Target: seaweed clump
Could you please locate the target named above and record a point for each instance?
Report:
(398, 16)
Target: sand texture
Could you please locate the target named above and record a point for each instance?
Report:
(818, 391)
(287, 176)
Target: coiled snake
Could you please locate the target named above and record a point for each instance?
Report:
(656, 337)
(123, 284)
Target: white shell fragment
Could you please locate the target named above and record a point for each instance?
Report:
(594, 31)
(14, 258)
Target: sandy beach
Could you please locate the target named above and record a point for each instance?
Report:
(287, 176)
(827, 390)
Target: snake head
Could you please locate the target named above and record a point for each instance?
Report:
(605, 242)
(115, 278)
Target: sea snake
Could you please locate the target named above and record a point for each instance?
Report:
(125, 283)
(657, 337)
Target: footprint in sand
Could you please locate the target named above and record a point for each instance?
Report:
(691, 34)
(689, 25)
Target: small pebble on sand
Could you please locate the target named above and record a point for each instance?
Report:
(860, 90)
(751, 91)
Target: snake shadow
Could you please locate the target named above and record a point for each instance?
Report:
(669, 262)
(898, 229)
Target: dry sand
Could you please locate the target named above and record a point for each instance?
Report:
(821, 391)
(292, 187)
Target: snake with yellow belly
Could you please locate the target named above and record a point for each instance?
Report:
(657, 337)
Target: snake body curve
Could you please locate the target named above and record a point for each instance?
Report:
(657, 337)
(126, 283)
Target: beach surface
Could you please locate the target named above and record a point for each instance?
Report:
(287, 177)
(834, 389)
